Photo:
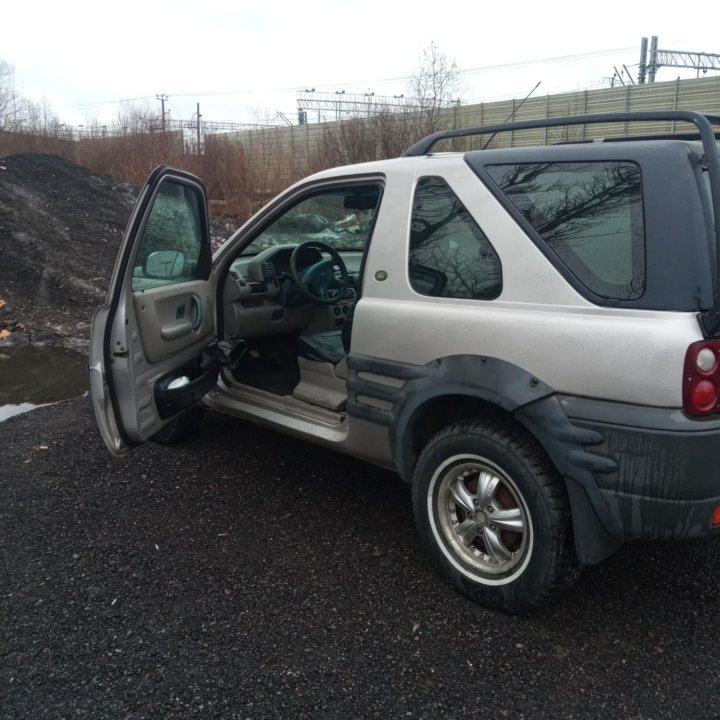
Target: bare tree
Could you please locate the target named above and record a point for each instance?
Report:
(134, 118)
(391, 132)
(7, 94)
(435, 86)
(18, 113)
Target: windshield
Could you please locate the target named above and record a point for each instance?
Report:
(341, 218)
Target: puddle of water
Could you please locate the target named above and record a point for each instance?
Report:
(31, 376)
(7, 411)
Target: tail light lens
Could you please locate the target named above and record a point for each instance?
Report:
(701, 378)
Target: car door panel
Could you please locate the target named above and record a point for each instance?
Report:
(178, 312)
(149, 351)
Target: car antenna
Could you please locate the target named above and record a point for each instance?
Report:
(509, 117)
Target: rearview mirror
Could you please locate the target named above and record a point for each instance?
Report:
(361, 202)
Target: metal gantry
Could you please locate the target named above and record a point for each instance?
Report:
(699, 61)
(685, 59)
(340, 104)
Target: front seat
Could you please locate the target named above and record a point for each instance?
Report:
(325, 347)
(323, 370)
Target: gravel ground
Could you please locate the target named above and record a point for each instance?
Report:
(247, 575)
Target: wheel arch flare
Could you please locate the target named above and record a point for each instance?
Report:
(416, 401)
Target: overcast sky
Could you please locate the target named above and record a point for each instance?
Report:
(243, 61)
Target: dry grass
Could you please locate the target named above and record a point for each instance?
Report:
(240, 177)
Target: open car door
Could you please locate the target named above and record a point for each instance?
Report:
(150, 347)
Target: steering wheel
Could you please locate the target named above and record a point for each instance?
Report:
(316, 280)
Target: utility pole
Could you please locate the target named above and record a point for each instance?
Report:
(162, 98)
(652, 65)
(198, 127)
(642, 72)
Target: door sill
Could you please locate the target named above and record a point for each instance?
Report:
(278, 411)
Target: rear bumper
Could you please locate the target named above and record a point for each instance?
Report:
(666, 477)
(631, 471)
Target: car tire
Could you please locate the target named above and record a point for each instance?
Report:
(180, 428)
(494, 515)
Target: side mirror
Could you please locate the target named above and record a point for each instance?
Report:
(165, 264)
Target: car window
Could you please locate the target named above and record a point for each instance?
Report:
(341, 218)
(169, 250)
(450, 256)
(589, 214)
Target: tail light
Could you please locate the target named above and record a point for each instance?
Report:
(701, 378)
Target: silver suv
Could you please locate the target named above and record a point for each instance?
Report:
(529, 336)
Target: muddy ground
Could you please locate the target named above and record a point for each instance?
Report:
(60, 229)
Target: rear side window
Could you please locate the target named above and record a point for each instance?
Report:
(450, 256)
(589, 214)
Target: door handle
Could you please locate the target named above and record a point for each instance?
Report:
(196, 312)
(175, 329)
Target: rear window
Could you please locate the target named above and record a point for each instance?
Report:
(589, 214)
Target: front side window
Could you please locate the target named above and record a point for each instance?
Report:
(341, 218)
(450, 256)
(589, 214)
(172, 239)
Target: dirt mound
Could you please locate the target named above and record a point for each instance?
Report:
(60, 229)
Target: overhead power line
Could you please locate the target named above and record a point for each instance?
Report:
(546, 61)
(370, 82)
(82, 106)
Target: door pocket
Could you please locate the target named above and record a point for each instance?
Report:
(184, 387)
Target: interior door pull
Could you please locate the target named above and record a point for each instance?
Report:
(176, 329)
(196, 313)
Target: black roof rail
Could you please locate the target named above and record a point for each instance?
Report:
(709, 319)
(640, 138)
(424, 146)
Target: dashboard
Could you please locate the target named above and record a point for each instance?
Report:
(258, 288)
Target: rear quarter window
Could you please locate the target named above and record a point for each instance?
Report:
(589, 214)
(450, 256)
